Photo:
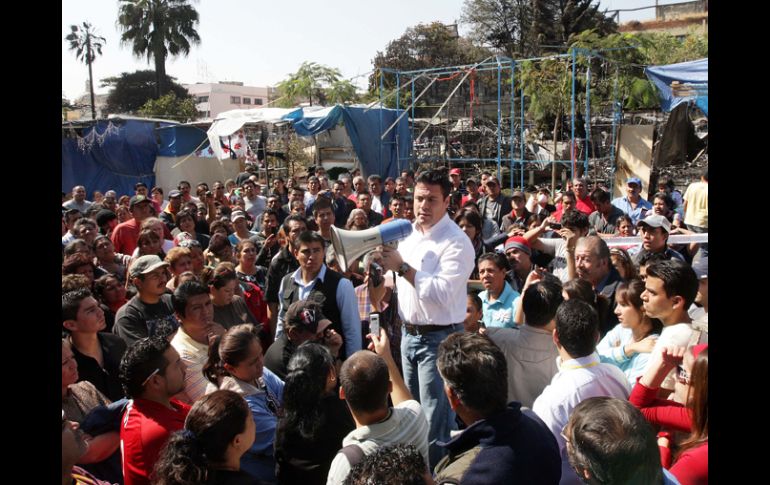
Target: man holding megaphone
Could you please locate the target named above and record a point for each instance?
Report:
(433, 264)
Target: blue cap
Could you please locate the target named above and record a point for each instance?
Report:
(634, 180)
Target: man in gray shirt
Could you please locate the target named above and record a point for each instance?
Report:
(78, 200)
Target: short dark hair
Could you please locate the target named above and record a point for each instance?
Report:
(599, 195)
(611, 439)
(364, 378)
(570, 194)
(140, 361)
(574, 218)
(472, 217)
(577, 325)
(475, 369)
(321, 203)
(397, 464)
(541, 301)
(647, 257)
(374, 178)
(498, 259)
(70, 303)
(269, 212)
(665, 198)
(309, 237)
(436, 177)
(679, 279)
(184, 292)
(474, 297)
(294, 218)
(179, 185)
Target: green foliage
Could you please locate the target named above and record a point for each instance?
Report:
(315, 82)
(157, 29)
(130, 91)
(87, 45)
(169, 106)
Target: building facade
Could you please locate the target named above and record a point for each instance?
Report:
(214, 98)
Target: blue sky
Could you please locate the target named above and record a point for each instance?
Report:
(261, 42)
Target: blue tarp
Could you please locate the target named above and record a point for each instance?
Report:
(694, 73)
(364, 127)
(122, 160)
(181, 140)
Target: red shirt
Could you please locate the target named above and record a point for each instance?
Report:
(144, 430)
(691, 467)
(125, 235)
(585, 205)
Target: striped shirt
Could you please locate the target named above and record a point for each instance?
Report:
(406, 424)
(194, 355)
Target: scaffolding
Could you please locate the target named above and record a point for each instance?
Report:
(511, 149)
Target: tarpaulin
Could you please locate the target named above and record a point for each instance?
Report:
(123, 158)
(178, 140)
(694, 73)
(229, 122)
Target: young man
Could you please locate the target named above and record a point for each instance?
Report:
(669, 290)
(168, 216)
(574, 226)
(150, 312)
(654, 230)
(267, 238)
(457, 184)
(365, 203)
(396, 208)
(519, 254)
(633, 204)
(529, 349)
(581, 375)
(97, 353)
(696, 204)
(254, 203)
(152, 373)
(604, 219)
(519, 214)
(313, 187)
(195, 312)
(125, 235)
(314, 281)
(498, 297)
(433, 263)
(282, 264)
(502, 444)
(380, 199)
(366, 379)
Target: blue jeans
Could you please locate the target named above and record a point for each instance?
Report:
(418, 361)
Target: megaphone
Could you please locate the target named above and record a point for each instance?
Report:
(351, 244)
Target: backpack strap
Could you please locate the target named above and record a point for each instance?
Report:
(353, 453)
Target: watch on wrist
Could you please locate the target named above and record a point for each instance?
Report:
(402, 269)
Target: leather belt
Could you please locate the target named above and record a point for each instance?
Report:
(415, 330)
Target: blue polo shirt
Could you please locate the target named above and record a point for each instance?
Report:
(500, 312)
(624, 204)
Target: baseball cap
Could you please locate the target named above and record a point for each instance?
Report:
(518, 194)
(656, 220)
(237, 215)
(145, 264)
(307, 316)
(634, 180)
(701, 268)
(137, 199)
(455, 171)
(174, 193)
(518, 242)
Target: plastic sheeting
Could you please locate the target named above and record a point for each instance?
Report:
(179, 140)
(693, 72)
(123, 159)
(231, 121)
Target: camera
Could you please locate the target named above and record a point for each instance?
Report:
(375, 273)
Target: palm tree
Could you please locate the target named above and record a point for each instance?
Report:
(158, 29)
(87, 46)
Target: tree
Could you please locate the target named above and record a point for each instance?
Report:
(130, 91)
(158, 29)
(169, 106)
(315, 81)
(87, 45)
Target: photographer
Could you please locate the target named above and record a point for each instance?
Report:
(377, 295)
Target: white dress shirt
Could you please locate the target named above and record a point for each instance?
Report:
(443, 258)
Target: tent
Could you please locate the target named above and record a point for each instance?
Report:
(693, 75)
(364, 126)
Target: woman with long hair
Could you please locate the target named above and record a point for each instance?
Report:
(622, 262)
(314, 420)
(236, 364)
(229, 307)
(185, 222)
(217, 432)
(149, 243)
(629, 344)
(689, 412)
(471, 224)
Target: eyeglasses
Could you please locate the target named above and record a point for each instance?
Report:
(682, 375)
(150, 376)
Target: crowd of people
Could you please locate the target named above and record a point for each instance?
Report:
(218, 338)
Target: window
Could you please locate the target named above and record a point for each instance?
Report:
(203, 99)
(235, 100)
(257, 100)
(246, 100)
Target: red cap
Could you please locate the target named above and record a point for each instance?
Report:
(518, 242)
(455, 171)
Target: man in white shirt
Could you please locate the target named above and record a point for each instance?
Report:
(254, 203)
(580, 375)
(433, 263)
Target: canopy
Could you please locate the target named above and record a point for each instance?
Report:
(229, 122)
(694, 74)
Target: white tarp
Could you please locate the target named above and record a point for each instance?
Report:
(229, 122)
